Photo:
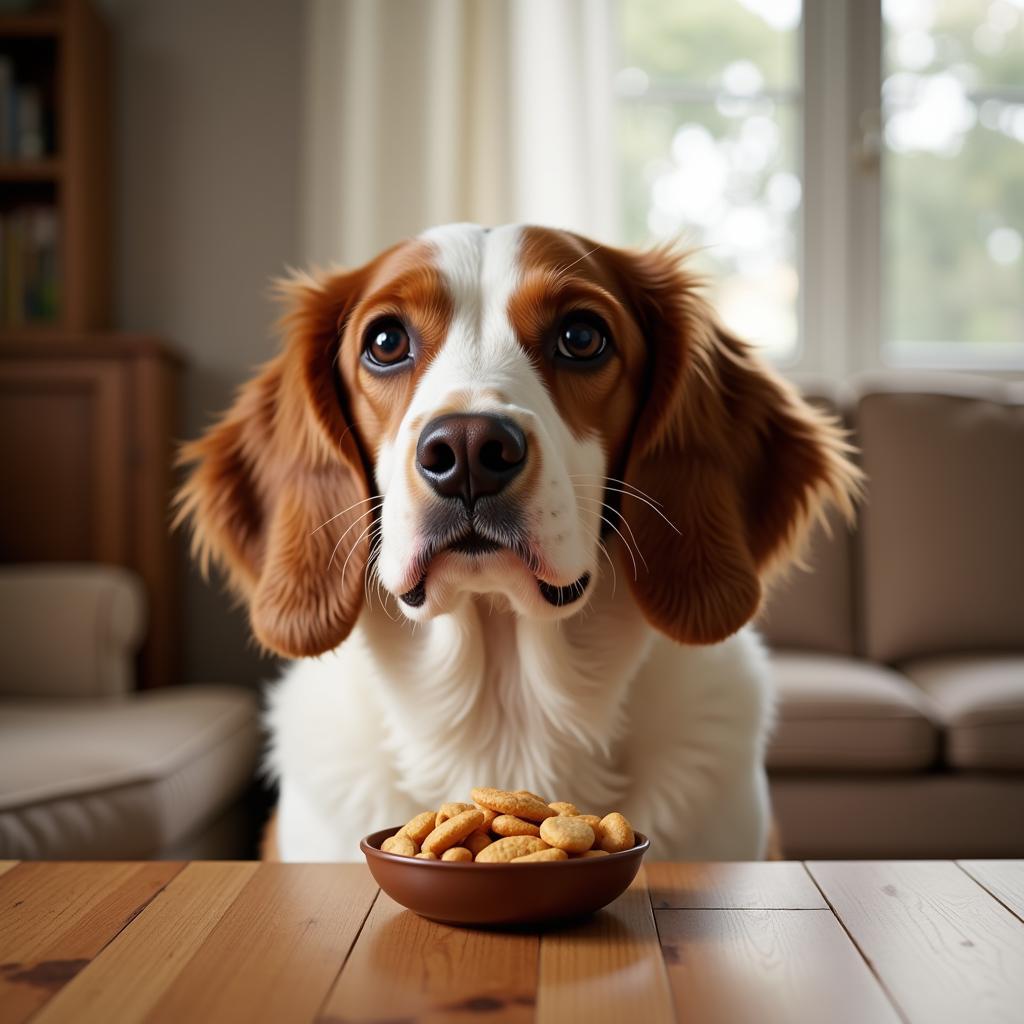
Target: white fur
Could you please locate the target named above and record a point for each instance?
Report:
(487, 684)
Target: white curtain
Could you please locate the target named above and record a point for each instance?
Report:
(421, 112)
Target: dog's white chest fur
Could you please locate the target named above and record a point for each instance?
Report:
(598, 710)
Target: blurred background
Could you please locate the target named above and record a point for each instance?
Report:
(849, 173)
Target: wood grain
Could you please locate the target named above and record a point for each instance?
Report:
(606, 969)
(942, 946)
(779, 885)
(407, 968)
(55, 918)
(1003, 878)
(6, 865)
(129, 977)
(275, 953)
(769, 966)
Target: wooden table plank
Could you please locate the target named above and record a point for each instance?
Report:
(769, 966)
(56, 917)
(779, 885)
(1003, 878)
(276, 952)
(943, 947)
(128, 978)
(405, 967)
(609, 968)
(6, 865)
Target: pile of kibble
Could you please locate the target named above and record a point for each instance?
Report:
(503, 826)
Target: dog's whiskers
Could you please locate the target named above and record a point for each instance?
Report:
(375, 543)
(639, 496)
(613, 480)
(625, 522)
(355, 504)
(352, 550)
(611, 564)
(351, 527)
(636, 570)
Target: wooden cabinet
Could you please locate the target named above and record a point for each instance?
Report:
(87, 429)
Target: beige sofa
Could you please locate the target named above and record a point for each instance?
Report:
(88, 767)
(900, 657)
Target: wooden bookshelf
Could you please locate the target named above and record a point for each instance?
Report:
(62, 47)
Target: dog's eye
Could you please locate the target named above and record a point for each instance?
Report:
(581, 339)
(387, 343)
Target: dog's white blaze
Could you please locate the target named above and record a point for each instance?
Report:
(483, 368)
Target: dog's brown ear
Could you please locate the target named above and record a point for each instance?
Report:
(739, 463)
(281, 462)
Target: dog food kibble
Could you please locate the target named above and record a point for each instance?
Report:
(489, 815)
(418, 828)
(569, 834)
(549, 854)
(476, 841)
(616, 833)
(510, 847)
(521, 804)
(509, 827)
(457, 853)
(561, 807)
(453, 831)
(402, 845)
(449, 811)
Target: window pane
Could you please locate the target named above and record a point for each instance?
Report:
(708, 130)
(953, 172)
(699, 41)
(978, 41)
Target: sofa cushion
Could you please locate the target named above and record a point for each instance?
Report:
(98, 612)
(942, 548)
(838, 714)
(811, 609)
(981, 700)
(121, 778)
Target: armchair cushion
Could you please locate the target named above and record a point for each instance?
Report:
(121, 778)
(69, 630)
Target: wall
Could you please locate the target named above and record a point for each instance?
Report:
(208, 117)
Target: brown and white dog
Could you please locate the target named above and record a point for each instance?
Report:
(511, 498)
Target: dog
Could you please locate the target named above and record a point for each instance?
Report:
(511, 499)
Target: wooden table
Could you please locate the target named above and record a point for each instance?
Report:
(871, 942)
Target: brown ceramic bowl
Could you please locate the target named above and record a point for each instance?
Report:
(502, 894)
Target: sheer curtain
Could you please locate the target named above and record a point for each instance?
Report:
(420, 112)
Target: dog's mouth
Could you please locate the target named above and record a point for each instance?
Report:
(474, 543)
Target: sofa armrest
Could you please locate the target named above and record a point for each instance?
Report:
(69, 630)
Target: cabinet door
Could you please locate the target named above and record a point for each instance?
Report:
(62, 462)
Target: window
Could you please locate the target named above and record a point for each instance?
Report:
(953, 179)
(851, 172)
(709, 124)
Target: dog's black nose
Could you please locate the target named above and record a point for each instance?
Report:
(468, 456)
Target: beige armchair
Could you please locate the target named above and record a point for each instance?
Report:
(89, 768)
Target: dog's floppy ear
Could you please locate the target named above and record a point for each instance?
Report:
(740, 464)
(282, 461)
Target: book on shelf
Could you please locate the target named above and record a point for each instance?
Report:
(29, 282)
(23, 116)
